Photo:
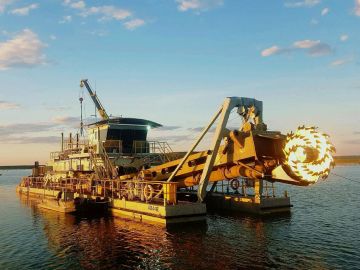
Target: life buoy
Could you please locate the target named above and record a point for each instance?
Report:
(235, 184)
(148, 192)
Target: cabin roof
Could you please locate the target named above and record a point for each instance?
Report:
(127, 121)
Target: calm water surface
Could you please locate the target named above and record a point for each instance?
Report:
(323, 232)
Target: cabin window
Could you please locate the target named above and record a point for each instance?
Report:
(127, 137)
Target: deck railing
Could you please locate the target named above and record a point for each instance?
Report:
(242, 187)
(156, 192)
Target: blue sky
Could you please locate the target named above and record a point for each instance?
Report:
(174, 61)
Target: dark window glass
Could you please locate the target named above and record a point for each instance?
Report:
(127, 137)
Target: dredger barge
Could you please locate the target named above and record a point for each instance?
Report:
(116, 168)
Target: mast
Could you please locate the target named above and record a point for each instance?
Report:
(81, 99)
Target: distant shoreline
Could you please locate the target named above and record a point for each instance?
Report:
(339, 160)
(16, 167)
(347, 160)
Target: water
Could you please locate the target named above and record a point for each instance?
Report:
(323, 232)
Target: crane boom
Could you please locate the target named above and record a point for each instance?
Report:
(95, 99)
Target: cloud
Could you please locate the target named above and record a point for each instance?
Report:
(66, 19)
(320, 49)
(198, 5)
(270, 51)
(356, 132)
(306, 44)
(354, 141)
(313, 48)
(173, 138)
(341, 62)
(8, 105)
(199, 129)
(168, 128)
(23, 133)
(32, 140)
(52, 37)
(357, 8)
(211, 130)
(344, 38)
(25, 128)
(196, 129)
(304, 3)
(325, 11)
(24, 10)
(4, 4)
(56, 108)
(107, 13)
(23, 50)
(99, 33)
(69, 121)
(22, 128)
(276, 50)
(77, 4)
(133, 24)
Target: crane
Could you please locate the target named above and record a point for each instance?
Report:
(95, 99)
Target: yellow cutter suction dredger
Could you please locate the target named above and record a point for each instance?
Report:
(115, 167)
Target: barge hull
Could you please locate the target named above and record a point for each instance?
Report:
(182, 212)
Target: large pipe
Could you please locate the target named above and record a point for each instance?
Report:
(223, 173)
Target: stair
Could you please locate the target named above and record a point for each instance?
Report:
(103, 167)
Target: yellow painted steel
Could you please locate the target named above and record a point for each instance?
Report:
(157, 213)
(227, 154)
(227, 164)
(170, 193)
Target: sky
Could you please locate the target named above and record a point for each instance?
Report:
(174, 62)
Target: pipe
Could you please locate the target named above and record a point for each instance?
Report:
(223, 173)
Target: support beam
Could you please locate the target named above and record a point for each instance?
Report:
(205, 130)
(258, 189)
(210, 191)
(223, 113)
(214, 147)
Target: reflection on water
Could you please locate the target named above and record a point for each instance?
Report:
(321, 233)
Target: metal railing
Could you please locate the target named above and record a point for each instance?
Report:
(110, 170)
(116, 147)
(55, 155)
(156, 192)
(70, 147)
(162, 149)
(74, 144)
(97, 165)
(113, 146)
(225, 187)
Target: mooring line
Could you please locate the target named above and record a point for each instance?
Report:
(344, 177)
